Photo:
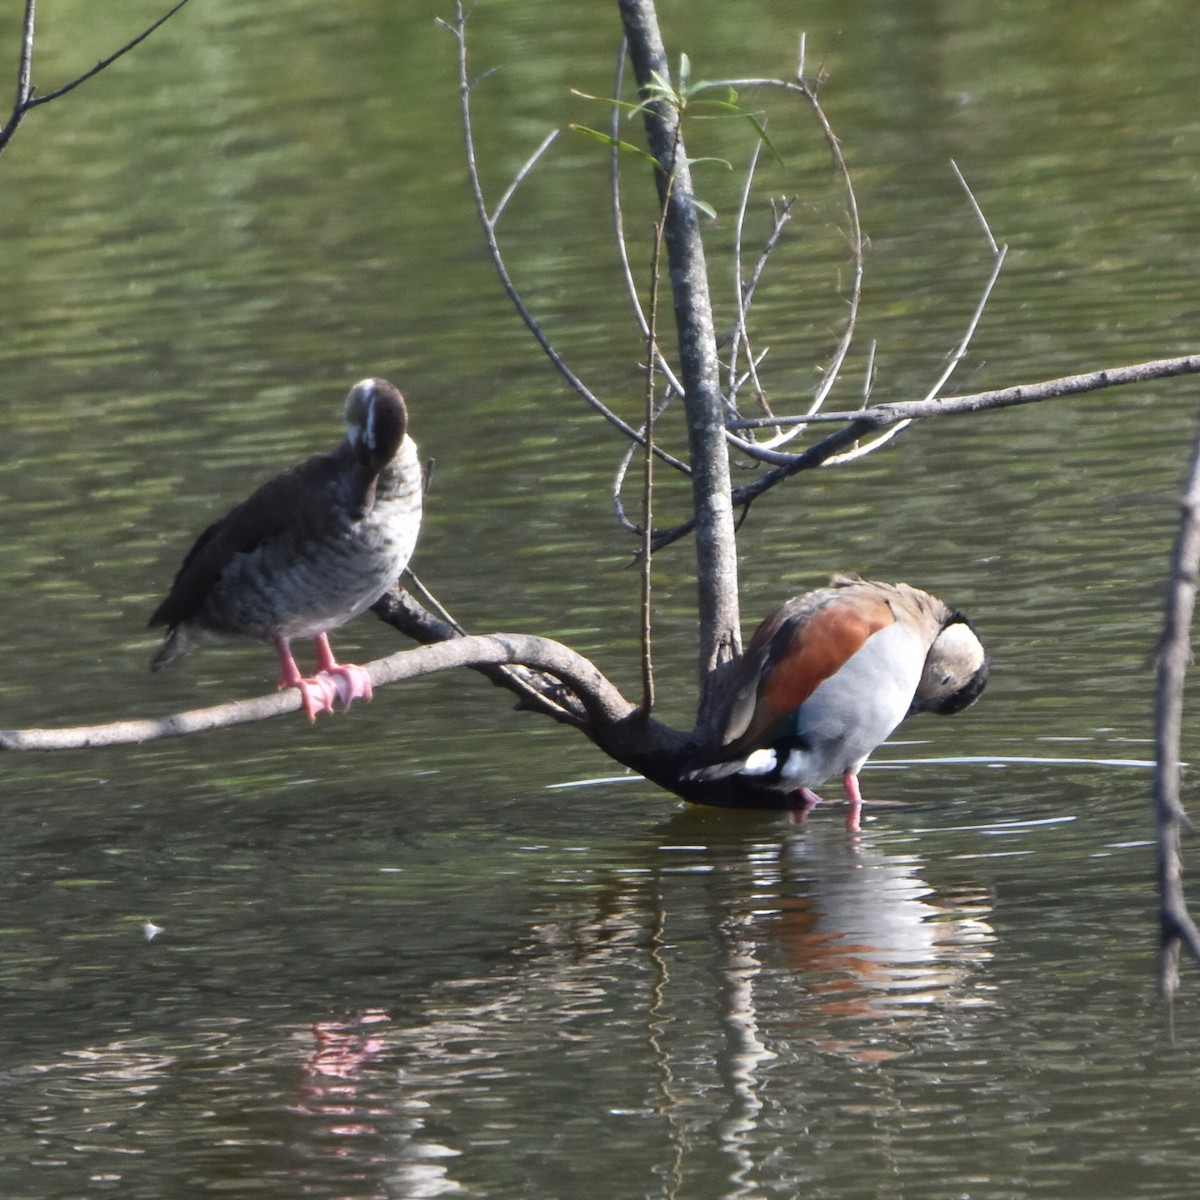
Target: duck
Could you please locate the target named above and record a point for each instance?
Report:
(830, 675)
(306, 552)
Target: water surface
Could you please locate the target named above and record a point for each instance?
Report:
(397, 958)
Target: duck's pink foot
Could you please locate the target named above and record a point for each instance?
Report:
(855, 801)
(318, 694)
(810, 801)
(350, 682)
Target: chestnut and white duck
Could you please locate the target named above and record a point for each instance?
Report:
(831, 674)
(306, 552)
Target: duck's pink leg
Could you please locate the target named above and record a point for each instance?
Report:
(317, 693)
(854, 797)
(349, 681)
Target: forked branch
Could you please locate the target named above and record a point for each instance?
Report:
(26, 98)
(857, 424)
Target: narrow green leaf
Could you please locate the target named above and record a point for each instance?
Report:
(615, 143)
(707, 85)
(627, 105)
(721, 162)
(659, 88)
(761, 130)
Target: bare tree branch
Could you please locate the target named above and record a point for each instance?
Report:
(987, 229)
(999, 254)
(520, 177)
(635, 303)
(716, 549)
(459, 31)
(880, 416)
(799, 88)
(955, 358)
(1175, 651)
(601, 698)
(857, 424)
(26, 98)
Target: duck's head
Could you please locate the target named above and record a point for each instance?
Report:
(376, 422)
(956, 670)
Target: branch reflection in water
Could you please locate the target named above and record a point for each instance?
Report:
(673, 992)
(681, 1006)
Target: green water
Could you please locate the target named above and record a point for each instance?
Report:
(398, 959)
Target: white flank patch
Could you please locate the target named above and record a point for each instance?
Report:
(759, 762)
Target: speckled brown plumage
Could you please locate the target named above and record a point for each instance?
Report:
(308, 551)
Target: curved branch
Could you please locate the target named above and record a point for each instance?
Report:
(799, 88)
(765, 451)
(488, 220)
(618, 485)
(951, 366)
(602, 700)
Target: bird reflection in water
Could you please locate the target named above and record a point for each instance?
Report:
(697, 978)
(346, 1085)
(871, 941)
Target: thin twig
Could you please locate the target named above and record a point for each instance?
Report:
(987, 229)
(880, 416)
(648, 466)
(627, 275)
(107, 62)
(781, 214)
(869, 377)
(1177, 929)
(432, 602)
(26, 99)
(520, 176)
(458, 30)
(623, 470)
